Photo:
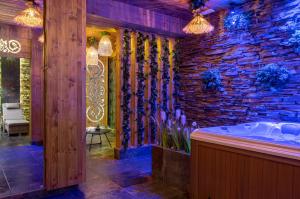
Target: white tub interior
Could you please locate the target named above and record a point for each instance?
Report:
(280, 133)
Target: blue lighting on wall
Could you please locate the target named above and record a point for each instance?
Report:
(272, 76)
(292, 27)
(237, 20)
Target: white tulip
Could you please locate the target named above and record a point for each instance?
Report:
(163, 116)
(194, 124)
(183, 120)
(169, 123)
(177, 114)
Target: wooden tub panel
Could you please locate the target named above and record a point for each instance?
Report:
(222, 172)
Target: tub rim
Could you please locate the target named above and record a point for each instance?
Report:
(259, 146)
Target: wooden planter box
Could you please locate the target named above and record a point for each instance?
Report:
(171, 167)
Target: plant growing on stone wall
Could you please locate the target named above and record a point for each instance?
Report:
(294, 41)
(126, 89)
(154, 94)
(140, 57)
(196, 4)
(176, 77)
(272, 77)
(293, 29)
(211, 80)
(165, 76)
(237, 20)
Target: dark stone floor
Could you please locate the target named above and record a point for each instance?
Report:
(107, 178)
(21, 166)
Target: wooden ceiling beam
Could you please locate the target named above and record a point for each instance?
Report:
(115, 14)
(119, 14)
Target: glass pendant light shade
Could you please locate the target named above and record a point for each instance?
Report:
(198, 25)
(31, 17)
(105, 46)
(91, 56)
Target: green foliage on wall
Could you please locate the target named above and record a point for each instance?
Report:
(165, 76)
(154, 91)
(272, 77)
(211, 80)
(176, 78)
(126, 89)
(111, 93)
(25, 86)
(140, 57)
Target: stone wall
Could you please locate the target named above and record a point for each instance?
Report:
(25, 87)
(238, 55)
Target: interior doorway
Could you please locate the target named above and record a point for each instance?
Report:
(21, 163)
(100, 91)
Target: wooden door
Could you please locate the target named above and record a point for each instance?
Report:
(65, 43)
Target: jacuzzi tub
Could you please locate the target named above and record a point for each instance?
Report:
(251, 160)
(287, 134)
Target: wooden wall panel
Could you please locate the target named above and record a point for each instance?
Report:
(21, 34)
(159, 74)
(230, 173)
(65, 23)
(171, 85)
(118, 78)
(37, 89)
(133, 86)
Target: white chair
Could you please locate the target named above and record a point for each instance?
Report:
(13, 119)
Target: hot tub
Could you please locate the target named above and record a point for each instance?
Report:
(250, 160)
(286, 134)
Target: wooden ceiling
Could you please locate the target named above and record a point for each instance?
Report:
(9, 9)
(179, 8)
(176, 8)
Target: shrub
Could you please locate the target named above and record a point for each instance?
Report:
(211, 80)
(272, 77)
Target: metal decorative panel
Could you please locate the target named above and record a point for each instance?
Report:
(95, 92)
(11, 46)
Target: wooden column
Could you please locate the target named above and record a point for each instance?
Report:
(171, 84)
(37, 88)
(118, 86)
(65, 44)
(159, 75)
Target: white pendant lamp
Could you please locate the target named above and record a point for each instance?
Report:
(105, 46)
(91, 56)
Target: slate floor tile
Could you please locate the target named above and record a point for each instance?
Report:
(107, 178)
